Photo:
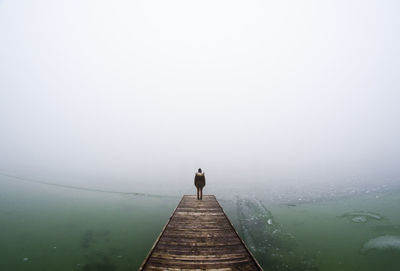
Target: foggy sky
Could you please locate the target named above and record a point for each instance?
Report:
(145, 92)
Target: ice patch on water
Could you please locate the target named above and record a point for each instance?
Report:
(367, 214)
(385, 242)
(362, 216)
(359, 219)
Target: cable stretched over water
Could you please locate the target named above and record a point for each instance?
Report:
(85, 188)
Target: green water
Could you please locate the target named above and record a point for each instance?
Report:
(61, 229)
(328, 235)
(335, 241)
(50, 228)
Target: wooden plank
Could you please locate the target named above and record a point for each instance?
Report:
(199, 235)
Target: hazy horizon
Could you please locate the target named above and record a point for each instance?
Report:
(123, 93)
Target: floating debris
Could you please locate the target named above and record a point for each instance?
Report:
(26, 259)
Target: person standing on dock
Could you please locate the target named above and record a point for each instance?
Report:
(199, 182)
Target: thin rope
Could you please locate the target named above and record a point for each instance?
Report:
(85, 188)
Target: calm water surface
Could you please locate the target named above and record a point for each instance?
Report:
(49, 228)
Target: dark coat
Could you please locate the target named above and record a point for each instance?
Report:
(199, 180)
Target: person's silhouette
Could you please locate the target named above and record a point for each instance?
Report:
(199, 182)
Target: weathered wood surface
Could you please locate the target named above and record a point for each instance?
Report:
(199, 236)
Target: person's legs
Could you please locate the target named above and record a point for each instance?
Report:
(198, 193)
(201, 193)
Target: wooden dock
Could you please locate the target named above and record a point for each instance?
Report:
(199, 236)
